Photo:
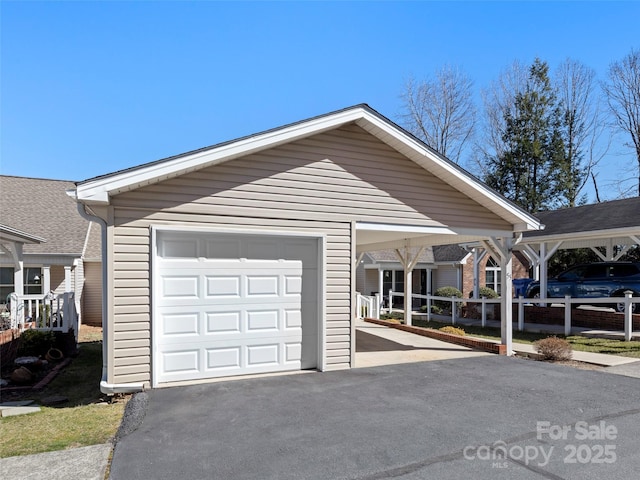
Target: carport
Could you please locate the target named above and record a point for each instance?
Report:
(609, 229)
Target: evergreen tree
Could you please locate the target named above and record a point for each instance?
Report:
(532, 169)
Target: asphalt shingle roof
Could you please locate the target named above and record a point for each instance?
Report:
(598, 216)
(42, 207)
(438, 253)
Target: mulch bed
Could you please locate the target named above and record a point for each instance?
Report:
(41, 377)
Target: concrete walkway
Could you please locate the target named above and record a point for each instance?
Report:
(85, 463)
(379, 345)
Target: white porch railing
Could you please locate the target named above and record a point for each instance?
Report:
(367, 306)
(485, 303)
(44, 312)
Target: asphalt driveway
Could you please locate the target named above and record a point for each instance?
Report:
(483, 417)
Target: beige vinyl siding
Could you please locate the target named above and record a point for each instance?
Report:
(317, 185)
(92, 294)
(131, 283)
(343, 173)
(445, 276)
(56, 273)
(371, 281)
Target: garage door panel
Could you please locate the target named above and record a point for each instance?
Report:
(223, 286)
(180, 324)
(223, 322)
(263, 320)
(179, 248)
(233, 314)
(181, 362)
(184, 287)
(262, 285)
(223, 358)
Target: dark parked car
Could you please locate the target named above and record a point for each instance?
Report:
(593, 280)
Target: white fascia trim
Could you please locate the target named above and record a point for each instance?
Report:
(99, 190)
(388, 227)
(418, 229)
(528, 222)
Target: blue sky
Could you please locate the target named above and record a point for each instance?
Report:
(92, 87)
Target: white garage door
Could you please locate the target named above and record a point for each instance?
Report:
(233, 304)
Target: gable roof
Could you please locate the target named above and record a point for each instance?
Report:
(100, 189)
(43, 208)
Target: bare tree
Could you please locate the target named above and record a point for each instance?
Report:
(440, 111)
(582, 126)
(623, 96)
(499, 104)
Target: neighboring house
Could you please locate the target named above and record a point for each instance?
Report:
(241, 257)
(438, 266)
(58, 250)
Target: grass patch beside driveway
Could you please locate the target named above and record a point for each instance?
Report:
(87, 418)
(580, 343)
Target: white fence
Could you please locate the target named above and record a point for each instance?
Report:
(44, 312)
(368, 306)
(495, 303)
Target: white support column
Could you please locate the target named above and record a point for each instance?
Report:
(46, 279)
(408, 299)
(503, 249)
(408, 263)
(506, 265)
(381, 286)
(545, 255)
(15, 250)
(67, 278)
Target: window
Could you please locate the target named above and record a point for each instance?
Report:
(6, 283)
(392, 280)
(32, 281)
(493, 275)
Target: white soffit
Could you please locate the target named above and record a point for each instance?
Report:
(374, 236)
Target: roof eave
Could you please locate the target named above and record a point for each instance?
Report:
(100, 189)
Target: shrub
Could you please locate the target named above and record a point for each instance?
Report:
(452, 330)
(443, 305)
(488, 292)
(36, 342)
(553, 348)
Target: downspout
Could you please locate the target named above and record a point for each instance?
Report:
(106, 388)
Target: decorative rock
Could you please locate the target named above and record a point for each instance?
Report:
(21, 375)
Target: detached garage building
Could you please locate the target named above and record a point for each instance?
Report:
(241, 257)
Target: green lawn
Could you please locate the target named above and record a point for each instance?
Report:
(585, 344)
(86, 419)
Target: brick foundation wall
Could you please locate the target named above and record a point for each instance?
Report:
(470, 342)
(555, 316)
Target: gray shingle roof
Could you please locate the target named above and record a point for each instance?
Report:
(389, 255)
(42, 207)
(437, 253)
(598, 216)
(449, 253)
